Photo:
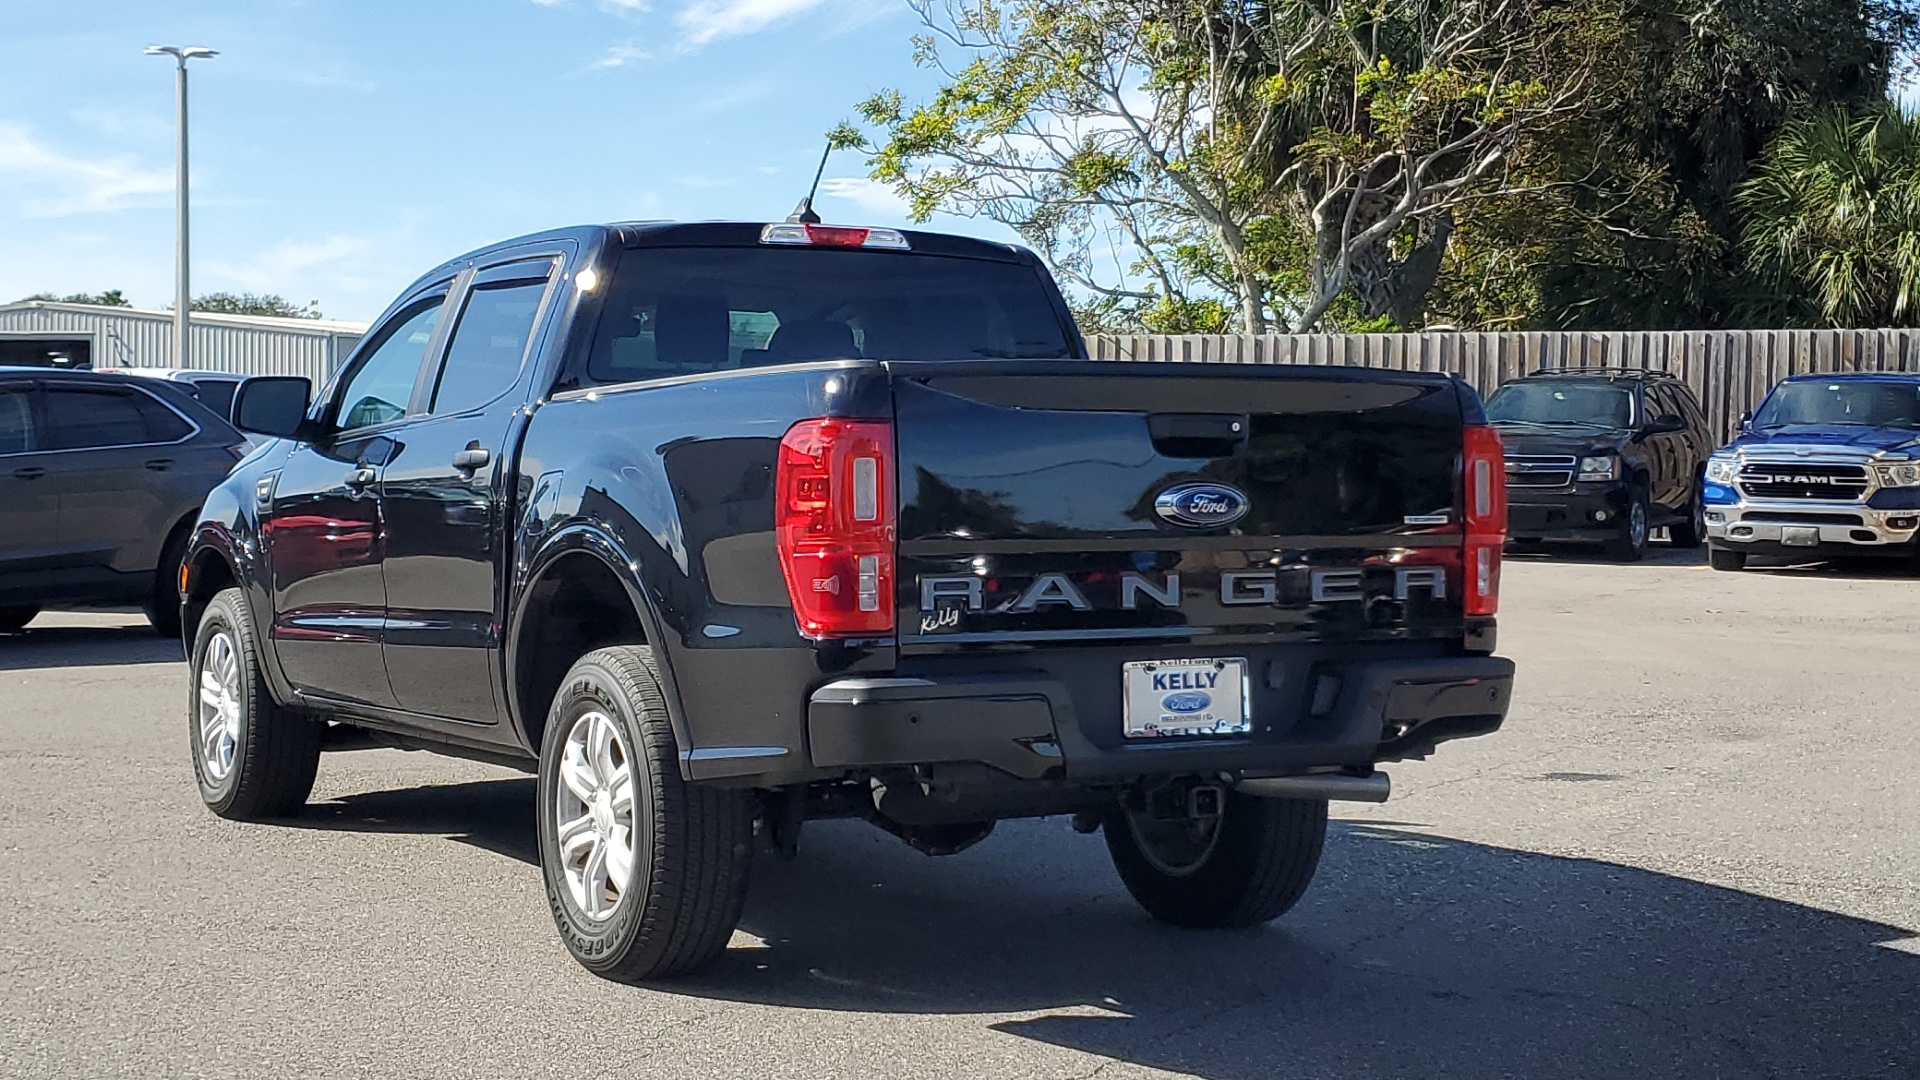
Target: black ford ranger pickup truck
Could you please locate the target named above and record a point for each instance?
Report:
(721, 528)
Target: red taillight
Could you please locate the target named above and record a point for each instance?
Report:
(833, 525)
(240, 451)
(1484, 475)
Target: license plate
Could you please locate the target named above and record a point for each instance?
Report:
(1800, 537)
(1170, 698)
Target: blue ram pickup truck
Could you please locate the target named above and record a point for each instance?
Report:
(721, 528)
(1828, 465)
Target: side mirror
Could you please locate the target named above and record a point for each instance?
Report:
(1746, 420)
(1664, 425)
(273, 405)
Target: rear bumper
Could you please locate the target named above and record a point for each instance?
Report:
(1028, 725)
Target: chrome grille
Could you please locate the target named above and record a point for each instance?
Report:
(1540, 470)
(1803, 480)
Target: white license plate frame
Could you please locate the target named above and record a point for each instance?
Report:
(1193, 698)
(1800, 535)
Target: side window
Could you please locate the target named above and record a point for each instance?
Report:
(163, 424)
(16, 421)
(89, 419)
(217, 394)
(382, 382)
(1690, 406)
(490, 340)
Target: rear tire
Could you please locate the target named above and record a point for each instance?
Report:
(1257, 863)
(1630, 543)
(254, 759)
(15, 619)
(612, 800)
(1726, 559)
(163, 607)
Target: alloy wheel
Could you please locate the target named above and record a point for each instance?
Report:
(593, 815)
(219, 706)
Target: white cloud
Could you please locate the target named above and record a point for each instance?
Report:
(77, 185)
(707, 20)
(621, 55)
(871, 196)
(270, 270)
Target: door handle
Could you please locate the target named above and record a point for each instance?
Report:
(29, 472)
(160, 464)
(361, 477)
(472, 459)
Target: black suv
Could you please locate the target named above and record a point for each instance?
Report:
(100, 476)
(1603, 455)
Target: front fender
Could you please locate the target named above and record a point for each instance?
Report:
(228, 534)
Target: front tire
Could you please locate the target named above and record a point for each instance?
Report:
(1726, 559)
(1256, 863)
(253, 759)
(163, 605)
(645, 873)
(1630, 542)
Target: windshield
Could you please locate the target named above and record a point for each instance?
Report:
(1860, 404)
(683, 311)
(1561, 403)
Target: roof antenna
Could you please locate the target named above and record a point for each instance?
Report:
(803, 214)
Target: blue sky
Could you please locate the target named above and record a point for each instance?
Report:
(341, 147)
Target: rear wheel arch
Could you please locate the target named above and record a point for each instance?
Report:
(575, 601)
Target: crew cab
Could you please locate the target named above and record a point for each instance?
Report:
(1603, 455)
(1828, 465)
(721, 528)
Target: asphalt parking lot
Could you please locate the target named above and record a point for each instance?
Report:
(1692, 853)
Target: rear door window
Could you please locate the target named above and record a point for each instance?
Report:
(88, 418)
(490, 341)
(683, 311)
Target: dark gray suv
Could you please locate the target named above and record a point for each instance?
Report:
(100, 477)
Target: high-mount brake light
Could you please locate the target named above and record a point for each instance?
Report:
(834, 526)
(1484, 472)
(848, 236)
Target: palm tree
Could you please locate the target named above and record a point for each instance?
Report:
(1833, 216)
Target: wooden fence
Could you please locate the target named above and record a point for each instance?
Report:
(1731, 371)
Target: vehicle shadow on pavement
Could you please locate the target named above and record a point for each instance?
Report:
(493, 815)
(37, 648)
(1412, 955)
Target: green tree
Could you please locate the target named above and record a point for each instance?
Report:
(110, 298)
(256, 304)
(1630, 218)
(1265, 152)
(1833, 215)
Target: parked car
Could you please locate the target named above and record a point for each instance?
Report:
(214, 389)
(721, 528)
(1827, 465)
(100, 478)
(1603, 455)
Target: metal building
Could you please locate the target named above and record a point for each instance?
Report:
(46, 333)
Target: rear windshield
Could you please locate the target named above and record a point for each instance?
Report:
(683, 311)
(1562, 403)
(1860, 404)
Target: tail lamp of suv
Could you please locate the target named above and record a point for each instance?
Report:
(834, 526)
(1484, 472)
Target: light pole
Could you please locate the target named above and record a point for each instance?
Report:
(182, 296)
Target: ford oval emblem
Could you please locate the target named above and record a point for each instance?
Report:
(1187, 701)
(1202, 505)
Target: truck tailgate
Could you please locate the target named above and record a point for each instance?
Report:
(1079, 502)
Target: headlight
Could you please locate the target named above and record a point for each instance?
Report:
(1899, 475)
(1600, 468)
(1722, 470)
